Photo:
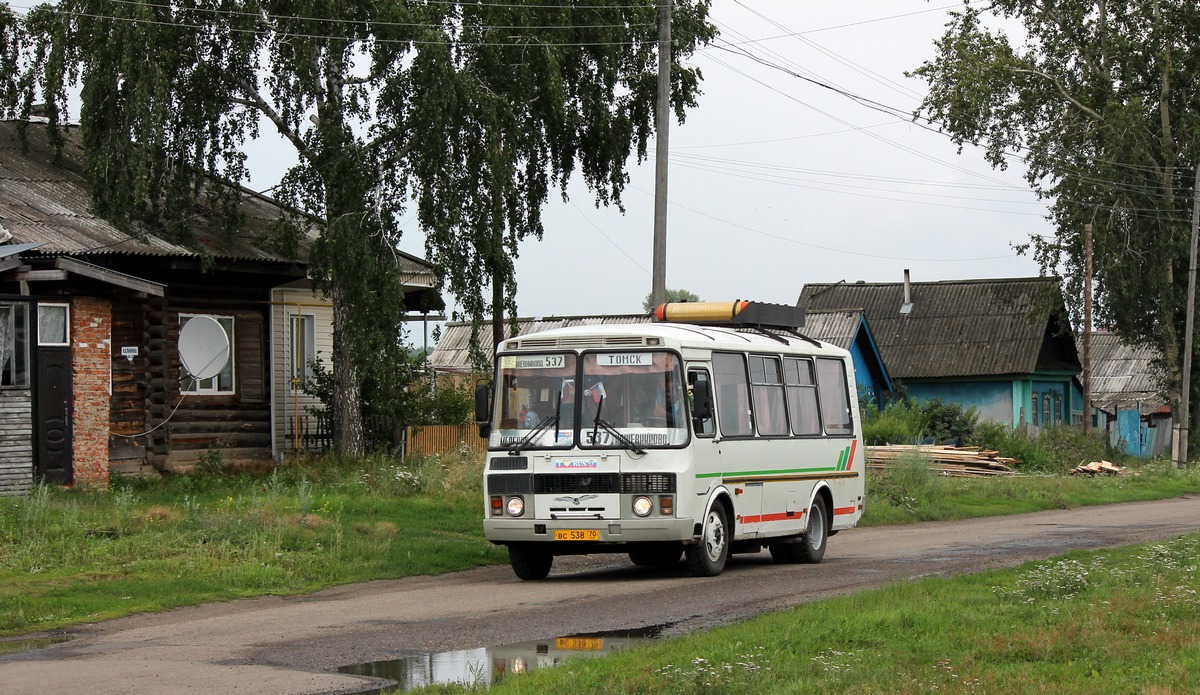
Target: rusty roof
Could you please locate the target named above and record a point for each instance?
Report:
(49, 204)
(1123, 374)
(959, 328)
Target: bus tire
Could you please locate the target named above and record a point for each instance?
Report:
(808, 547)
(707, 558)
(816, 535)
(529, 562)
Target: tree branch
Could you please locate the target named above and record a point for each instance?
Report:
(1061, 90)
(257, 102)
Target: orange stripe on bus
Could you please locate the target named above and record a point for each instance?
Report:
(850, 461)
(844, 510)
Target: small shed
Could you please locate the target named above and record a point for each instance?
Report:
(1126, 400)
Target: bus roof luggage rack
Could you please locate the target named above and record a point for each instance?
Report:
(759, 316)
(736, 313)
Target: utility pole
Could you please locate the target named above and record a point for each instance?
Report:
(1184, 420)
(658, 279)
(1087, 328)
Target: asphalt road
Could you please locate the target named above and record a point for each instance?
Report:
(292, 645)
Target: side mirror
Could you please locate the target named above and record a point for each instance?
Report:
(483, 408)
(701, 400)
(483, 405)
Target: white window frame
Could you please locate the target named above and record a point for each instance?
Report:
(212, 386)
(308, 334)
(66, 323)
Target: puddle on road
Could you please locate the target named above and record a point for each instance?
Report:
(489, 665)
(23, 645)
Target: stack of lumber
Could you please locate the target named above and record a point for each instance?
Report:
(1098, 468)
(947, 460)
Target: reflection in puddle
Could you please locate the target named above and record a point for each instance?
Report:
(23, 645)
(488, 665)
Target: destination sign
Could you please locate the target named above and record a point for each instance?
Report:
(625, 359)
(532, 361)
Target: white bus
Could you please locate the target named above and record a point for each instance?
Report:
(721, 434)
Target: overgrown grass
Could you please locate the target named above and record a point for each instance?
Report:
(1123, 621)
(909, 491)
(83, 555)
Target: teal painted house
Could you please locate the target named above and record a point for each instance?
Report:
(1003, 346)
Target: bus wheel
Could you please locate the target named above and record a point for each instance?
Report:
(810, 546)
(528, 562)
(707, 558)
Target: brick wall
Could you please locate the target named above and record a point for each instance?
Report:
(91, 360)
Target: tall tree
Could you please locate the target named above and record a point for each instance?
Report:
(471, 112)
(679, 295)
(1098, 98)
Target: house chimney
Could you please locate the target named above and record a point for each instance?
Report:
(906, 307)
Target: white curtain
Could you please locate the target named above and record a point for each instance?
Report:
(6, 342)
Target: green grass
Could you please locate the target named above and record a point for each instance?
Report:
(84, 555)
(1122, 621)
(909, 491)
(72, 556)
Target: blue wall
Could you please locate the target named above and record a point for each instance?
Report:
(991, 399)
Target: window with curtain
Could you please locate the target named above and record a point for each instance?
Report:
(52, 324)
(14, 346)
(303, 342)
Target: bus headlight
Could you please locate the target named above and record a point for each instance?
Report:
(642, 506)
(516, 506)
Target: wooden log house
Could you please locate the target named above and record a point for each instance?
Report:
(90, 320)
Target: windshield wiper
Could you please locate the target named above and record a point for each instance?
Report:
(599, 424)
(541, 427)
(527, 439)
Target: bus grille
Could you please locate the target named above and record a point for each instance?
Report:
(509, 463)
(510, 483)
(647, 482)
(577, 483)
(560, 483)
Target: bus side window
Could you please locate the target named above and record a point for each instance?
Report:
(733, 395)
(835, 401)
(703, 427)
(801, 387)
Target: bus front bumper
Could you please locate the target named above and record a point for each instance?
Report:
(508, 530)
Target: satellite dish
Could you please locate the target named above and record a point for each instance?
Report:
(203, 347)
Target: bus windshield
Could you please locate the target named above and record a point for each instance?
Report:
(630, 400)
(535, 401)
(637, 394)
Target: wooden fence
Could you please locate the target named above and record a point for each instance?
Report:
(438, 439)
(316, 436)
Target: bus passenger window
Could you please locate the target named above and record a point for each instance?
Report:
(766, 386)
(801, 386)
(703, 427)
(835, 400)
(733, 395)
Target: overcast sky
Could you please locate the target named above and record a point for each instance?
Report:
(776, 182)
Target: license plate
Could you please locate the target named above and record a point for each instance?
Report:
(590, 534)
(578, 643)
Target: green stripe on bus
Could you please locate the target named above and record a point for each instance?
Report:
(778, 472)
(841, 465)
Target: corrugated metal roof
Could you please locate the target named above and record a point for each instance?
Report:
(837, 327)
(453, 350)
(1123, 374)
(963, 328)
(47, 203)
